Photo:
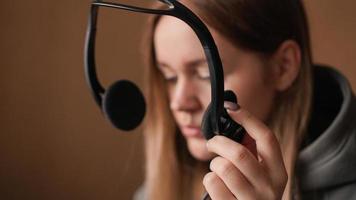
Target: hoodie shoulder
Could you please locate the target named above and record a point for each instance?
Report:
(326, 166)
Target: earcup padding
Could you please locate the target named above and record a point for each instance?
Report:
(124, 105)
(230, 96)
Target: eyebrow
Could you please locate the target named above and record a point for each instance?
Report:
(192, 63)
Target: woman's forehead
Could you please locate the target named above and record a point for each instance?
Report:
(175, 42)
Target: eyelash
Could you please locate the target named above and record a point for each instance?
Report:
(204, 77)
(173, 79)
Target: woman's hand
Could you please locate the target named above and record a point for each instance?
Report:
(253, 169)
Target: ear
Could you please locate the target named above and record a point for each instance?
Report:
(286, 63)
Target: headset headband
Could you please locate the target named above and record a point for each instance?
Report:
(178, 10)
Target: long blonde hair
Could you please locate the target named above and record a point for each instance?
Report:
(260, 26)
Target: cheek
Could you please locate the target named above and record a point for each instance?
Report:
(204, 94)
(170, 91)
(253, 94)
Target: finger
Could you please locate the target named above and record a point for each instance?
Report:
(250, 144)
(232, 177)
(268, 147)
(216, 188)
(240, 157)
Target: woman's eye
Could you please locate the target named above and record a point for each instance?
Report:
(170, 78)
(204, 75)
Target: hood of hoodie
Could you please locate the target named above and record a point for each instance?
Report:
(329, 158)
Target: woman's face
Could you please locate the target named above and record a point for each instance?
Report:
(181, 60)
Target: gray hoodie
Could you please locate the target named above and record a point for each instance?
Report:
(327, 163)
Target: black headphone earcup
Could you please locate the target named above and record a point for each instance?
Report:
(230, 96)
(124, 105)
(206, 125)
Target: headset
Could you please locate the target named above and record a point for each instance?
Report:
(123, 103)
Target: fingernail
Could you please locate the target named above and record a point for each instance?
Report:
(231, 105)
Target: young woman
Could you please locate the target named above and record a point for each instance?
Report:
(301, 141)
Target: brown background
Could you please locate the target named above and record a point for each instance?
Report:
(54, 142)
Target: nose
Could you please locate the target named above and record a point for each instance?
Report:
(184, 97)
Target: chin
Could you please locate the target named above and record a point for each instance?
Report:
(197, 148)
